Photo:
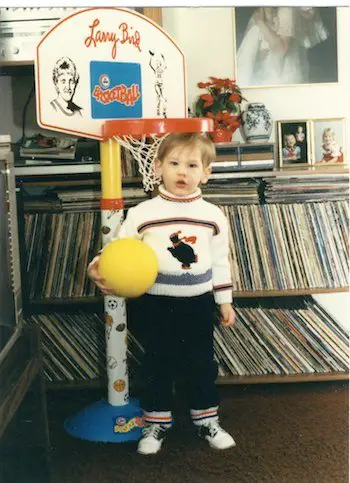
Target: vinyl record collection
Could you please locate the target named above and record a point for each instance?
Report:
(288, 189)
(294, 338)
(58, 248)
(272, 247)
(74, 346)
(82, 199)
(85, 199)
(297, 337)
(232, 191)
(283, 236)
(289, 246)
(129, 167)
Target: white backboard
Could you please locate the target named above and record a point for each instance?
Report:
(107, 63)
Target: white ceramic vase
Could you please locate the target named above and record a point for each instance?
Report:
(257, 123)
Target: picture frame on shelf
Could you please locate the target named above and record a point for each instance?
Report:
(310, 55)
(328, 142)
(294, 143)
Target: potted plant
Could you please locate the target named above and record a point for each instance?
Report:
(222, 103)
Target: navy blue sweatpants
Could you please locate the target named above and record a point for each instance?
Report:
(178, 340)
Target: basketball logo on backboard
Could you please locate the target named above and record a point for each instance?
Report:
(104, 81)
(115, 90)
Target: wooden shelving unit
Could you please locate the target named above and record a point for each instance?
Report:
(90, 304)
(28, 178)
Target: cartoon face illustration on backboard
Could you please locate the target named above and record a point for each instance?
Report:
(65, 78)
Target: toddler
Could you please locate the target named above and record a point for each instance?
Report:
(190, 237)
(290, 152)
(332, 152)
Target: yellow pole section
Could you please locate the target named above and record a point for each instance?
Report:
(111, 179)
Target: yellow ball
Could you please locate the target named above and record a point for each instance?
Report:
(129, 267)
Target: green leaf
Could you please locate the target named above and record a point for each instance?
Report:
(199, 109)
(232, 106)
(219, 104)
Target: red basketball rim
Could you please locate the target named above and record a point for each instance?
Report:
(137, 127)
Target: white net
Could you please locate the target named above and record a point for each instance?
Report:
(144, 151)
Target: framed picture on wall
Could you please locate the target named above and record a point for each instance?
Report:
(328, 142)
(294, 143)
(278, 46)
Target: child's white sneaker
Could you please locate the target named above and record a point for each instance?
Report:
(217, 437)
(152, 438)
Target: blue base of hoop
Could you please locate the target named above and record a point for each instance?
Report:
(106, 423)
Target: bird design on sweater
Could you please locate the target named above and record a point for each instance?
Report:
(182, 251)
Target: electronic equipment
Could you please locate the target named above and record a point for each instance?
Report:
(21, 28)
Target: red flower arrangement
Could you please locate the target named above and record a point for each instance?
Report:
(222, 103)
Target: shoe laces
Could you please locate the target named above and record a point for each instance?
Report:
(213, 427)
(154, 430)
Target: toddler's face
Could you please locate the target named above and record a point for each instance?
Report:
(290, 141)
(182, 170)
(328, 138)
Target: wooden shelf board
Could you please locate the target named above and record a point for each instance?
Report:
(68, 182)
(14, 63)
(312, 170)
(291, 172)
(273, 378)
(81, 384)
(244, 294)
(66, 301)
(221, 381)
(283, 293)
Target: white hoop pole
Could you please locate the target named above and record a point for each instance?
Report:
(115, 308)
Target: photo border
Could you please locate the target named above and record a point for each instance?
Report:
(269, 86)
(280, 163)
(313, 149)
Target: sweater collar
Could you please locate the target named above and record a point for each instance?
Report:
(163, 193)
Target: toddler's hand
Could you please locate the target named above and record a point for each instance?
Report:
(228, 315)
(92, 272)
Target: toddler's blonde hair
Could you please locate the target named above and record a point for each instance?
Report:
(329, 131)
(173, 140)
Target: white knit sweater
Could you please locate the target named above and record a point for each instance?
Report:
(190, 237)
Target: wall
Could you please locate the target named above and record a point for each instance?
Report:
(206, 38)
(338, 304)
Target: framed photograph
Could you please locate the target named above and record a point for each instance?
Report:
(294, 145)
(328, 142)
(277, 46)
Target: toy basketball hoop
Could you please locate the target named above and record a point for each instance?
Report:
(113, 75)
